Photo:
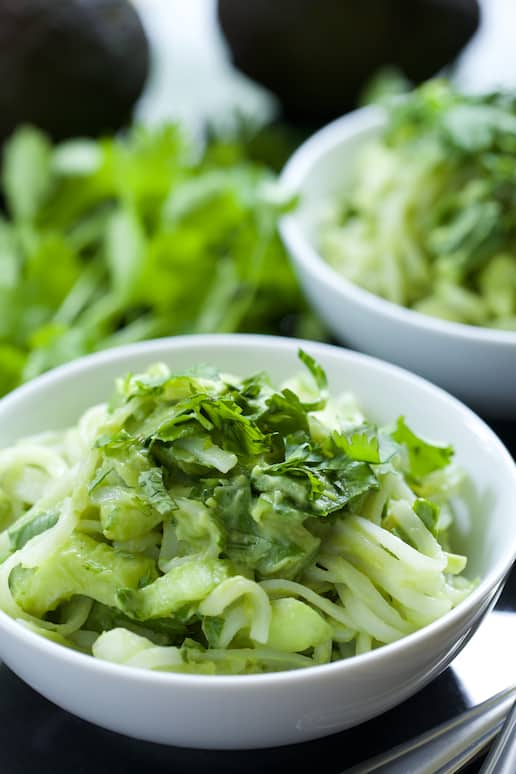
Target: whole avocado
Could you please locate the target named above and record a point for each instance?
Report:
(71, 67)
(317, 55)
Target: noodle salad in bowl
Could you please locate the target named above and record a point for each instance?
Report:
(251, 553)
(200, 522)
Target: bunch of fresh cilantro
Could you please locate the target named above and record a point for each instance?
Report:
(430, 222)
(109, 242)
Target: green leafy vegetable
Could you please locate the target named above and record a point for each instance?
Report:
(151, 482)
(27, 173)
(319, 377)
(424, 457)
(366, 444)
(22, 532)
(327, 479)
(130, 238)
(204, 523)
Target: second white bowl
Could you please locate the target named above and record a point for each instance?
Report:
(477, 364)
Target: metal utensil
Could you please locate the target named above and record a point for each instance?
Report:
(502, 756)
(486, 665)
(448, 747)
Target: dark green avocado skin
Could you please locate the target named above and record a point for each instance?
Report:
(71, 67)
(316, 55)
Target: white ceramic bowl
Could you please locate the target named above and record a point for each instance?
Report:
(477, 364)
(272, 709)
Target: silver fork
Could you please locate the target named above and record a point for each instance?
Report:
(450, 746)
(502, 756)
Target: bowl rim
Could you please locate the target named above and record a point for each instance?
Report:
(300, 164)
(392, 651)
